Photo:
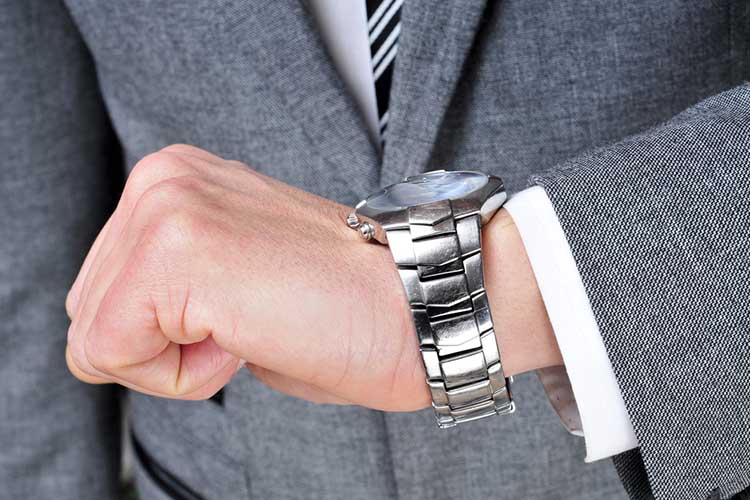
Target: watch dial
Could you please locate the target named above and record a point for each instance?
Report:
(426, 188)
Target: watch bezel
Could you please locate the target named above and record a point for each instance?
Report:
(486, 201)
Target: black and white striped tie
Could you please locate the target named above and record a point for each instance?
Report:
(384, 26)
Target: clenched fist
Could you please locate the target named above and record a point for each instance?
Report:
(206, 265)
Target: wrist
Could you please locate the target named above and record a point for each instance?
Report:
(524, 333)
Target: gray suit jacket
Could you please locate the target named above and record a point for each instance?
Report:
(535, 91)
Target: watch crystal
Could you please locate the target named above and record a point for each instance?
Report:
(426, 188)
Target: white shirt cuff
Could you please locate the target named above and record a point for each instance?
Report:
(604, 419)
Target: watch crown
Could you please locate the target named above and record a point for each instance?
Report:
(352, 220)
(367, 231)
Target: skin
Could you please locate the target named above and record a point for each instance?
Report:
(206, 266)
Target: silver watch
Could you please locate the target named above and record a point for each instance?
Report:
(432, 223)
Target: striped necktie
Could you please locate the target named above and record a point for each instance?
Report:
(384, 26)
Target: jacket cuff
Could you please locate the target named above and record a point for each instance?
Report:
(595, 406)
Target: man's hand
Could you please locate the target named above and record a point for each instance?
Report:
(206, 265)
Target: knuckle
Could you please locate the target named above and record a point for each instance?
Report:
(100, 353)
(179, 391)
(198, 158)
(197, 394)
(151, 169)
(76, 370)
(74, 350)
(76, 373)
(160, 161)
(174, 189)
(108, 344)
(182, 148)
(170, 204)
(150, 166)
(69, 309)
(196, 389)
(192, 390)
(100, 359)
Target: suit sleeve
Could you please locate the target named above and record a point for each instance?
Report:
(59, 438)
(659, 226)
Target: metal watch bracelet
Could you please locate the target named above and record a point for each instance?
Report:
(439, 258)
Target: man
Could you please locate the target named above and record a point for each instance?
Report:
(207, 265)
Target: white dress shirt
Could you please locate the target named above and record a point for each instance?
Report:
(595, 408)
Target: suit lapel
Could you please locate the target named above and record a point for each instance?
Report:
(436, 37)
(281, 41)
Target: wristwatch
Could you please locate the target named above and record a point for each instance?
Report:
(432, 223)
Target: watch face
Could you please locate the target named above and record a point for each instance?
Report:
(469, 192)
(426, 188)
